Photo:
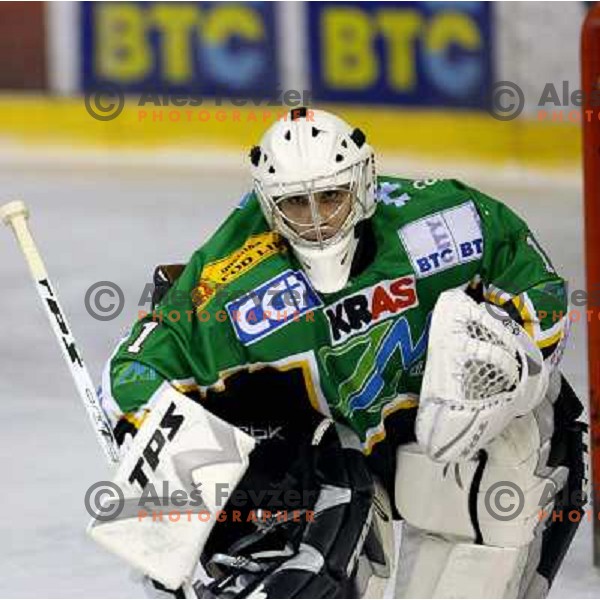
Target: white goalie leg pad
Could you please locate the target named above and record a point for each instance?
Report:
(482, 370)
(497, 503)
(196, 460)
(518, 489)
(376, 562)
(431, 566)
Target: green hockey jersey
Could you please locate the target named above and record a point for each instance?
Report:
(243, 305)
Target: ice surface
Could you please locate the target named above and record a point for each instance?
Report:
(117, 224)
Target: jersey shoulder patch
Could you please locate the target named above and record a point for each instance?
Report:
(399, 192)
(242, 243)
(443, 239)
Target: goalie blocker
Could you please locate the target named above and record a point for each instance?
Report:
(166, 450)
(344, 545)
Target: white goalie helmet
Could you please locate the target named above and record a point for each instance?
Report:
(314, 176)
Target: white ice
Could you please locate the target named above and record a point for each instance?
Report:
(116, 224)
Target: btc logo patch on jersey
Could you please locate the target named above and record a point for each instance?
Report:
(360, 311)
(274, 304)
(443, 240)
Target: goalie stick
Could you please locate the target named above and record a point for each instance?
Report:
(15, 214)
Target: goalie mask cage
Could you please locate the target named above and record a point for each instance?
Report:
(590, 72)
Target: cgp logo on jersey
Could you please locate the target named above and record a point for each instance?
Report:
(361, 311)
(443, 240)
(273, 305)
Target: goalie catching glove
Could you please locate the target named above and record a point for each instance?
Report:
(482, 370)
(314, 559)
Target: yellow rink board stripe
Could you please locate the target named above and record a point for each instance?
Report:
(449, 134)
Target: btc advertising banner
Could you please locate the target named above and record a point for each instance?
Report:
(210, 48)
(409, 53)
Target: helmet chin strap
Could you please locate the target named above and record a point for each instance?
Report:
(328, 268)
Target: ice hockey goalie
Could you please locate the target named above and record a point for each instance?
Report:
(355, 350)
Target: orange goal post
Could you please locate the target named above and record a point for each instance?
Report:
(590, 76)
